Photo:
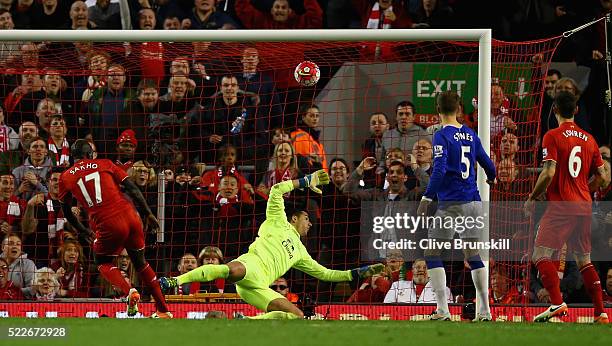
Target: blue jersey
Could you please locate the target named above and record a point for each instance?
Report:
(455, 153)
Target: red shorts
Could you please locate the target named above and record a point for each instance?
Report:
(122, 231)
(557, 230)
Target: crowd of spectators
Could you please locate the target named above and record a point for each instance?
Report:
(205, 137)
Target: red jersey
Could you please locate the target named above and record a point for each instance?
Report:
(576, 154)
(12, 210)
(95, 184)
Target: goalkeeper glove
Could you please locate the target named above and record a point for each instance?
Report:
(315, 179)
(367, 271)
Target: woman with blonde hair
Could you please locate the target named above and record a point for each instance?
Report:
(143, 175)
(284, 161)
(212, 255)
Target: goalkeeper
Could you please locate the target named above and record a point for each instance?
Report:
(277, 249)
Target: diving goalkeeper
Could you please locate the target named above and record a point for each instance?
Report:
(277, 249)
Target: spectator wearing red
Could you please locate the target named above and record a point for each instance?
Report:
(9, 140)
(230, 226)
(151, 53)
(126, 149)
(54, 87)
(59, 148)
(70, 271)
(281, 286)
(284, 161)
(502, 291)
(12, 208)
(382, 14)
(227, 166)
(375, 288)
(8, 290)
(501, 121)
(29, 83)
(97, 62)
(281, 16)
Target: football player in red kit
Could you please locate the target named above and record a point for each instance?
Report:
(95, 183)
(570, 154)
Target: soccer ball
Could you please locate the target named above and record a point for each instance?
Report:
(307, 73)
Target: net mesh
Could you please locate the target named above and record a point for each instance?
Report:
(165, 112)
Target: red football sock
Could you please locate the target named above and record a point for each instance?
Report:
(592, 284)
(550, 280)
(148, 277)
(113, 275)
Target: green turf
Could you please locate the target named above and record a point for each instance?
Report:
(115, 332)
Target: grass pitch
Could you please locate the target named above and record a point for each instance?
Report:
(181, 332)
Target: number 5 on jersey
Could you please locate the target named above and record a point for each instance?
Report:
(465, 149)
(95, 176)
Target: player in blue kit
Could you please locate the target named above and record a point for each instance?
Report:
(456, 150)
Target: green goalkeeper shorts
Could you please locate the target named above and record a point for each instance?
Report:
(254, 287)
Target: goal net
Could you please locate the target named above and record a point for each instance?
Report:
(206, 128)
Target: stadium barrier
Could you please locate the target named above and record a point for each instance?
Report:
(511, 313)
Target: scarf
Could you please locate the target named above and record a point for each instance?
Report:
(64, 158)
(221, 171)
(13, 210)
(55, 223)
(92, 85)
(279, 175)
(55, 227)
(376, 15)
(4, 139)
(72, 280)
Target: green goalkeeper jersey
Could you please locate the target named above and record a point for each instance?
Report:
(279, 247)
